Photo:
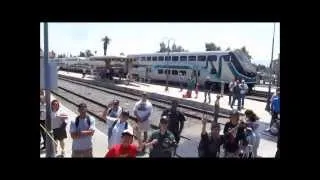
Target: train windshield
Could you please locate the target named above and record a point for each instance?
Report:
(241, 56)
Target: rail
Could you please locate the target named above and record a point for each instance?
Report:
(152, 98)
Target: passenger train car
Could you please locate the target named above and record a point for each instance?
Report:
(94, 64)
(220, 66)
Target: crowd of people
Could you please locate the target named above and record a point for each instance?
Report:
(239, 138)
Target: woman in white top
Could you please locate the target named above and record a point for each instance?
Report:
(58, 124)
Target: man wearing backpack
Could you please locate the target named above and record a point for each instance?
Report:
(113, 110)
(116, 129)
(82, 130)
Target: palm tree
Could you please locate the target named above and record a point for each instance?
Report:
(106, 40)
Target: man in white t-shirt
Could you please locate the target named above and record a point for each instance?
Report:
(117, 127)
(142, 110)
(82, 130)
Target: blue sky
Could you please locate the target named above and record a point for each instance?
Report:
(134, 38)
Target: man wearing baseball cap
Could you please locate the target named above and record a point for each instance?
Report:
(125, 148)
(162, 141)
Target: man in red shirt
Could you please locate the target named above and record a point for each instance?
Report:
(126, 148)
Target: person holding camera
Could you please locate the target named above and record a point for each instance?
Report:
(233, 133)
(210, 144)
(162, 141)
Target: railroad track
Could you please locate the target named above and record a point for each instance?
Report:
(189, 111)
(195, 113)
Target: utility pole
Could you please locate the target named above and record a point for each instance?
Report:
(168, 70)
(269, 89)
(50, 152)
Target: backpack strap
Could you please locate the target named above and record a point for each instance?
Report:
(111, 128)
(87, 118)
(77, 121)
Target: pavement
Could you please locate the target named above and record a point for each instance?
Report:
(100, 143)
(187, 148)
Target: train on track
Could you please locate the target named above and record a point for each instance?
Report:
(220, 66)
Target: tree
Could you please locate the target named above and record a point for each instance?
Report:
(212, 47)
(228, 49)
(243, 49)
(174, 48)
(106, 41)
(82, 54)
(88, 53)
(95, 52)
(121, 54)
(163, 47)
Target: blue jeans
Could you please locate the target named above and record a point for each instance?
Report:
(238, 99)
(242, 99)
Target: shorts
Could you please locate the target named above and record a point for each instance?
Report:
(59, 133)
(144, 126)
(82, 154)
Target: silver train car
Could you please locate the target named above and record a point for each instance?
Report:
(220, 66)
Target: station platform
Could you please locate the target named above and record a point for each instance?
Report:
(99, 138)
(159, 90)
(186, 148)
(264, 88)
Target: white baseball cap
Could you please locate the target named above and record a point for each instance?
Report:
(129, 131)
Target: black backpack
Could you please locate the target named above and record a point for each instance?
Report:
(112, 126)
(87, 118)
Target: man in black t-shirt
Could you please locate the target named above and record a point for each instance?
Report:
(176, 120)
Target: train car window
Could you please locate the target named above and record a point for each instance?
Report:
(160, 58)
(167, 58)
(167, 71)
(154, 58)
(149, 58)
(192, 58)
(175, 58)
(201, 58)
(212, 58)
(143, 58)
(160, 71)
(174, 72)
(183, 58)
(183, 73)
(225, 58)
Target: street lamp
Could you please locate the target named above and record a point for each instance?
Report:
(269, 89)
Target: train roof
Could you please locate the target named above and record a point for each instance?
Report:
(180, 53)
(108, 57)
